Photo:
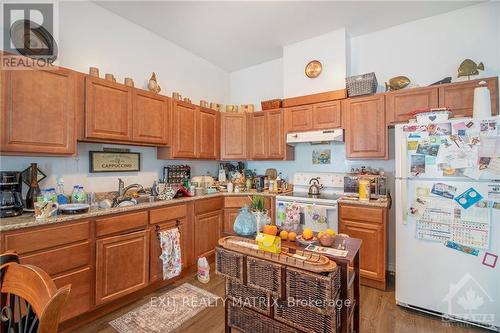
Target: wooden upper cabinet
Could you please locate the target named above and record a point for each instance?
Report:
(365, 127)
(122, 265)
(459, 96)
(298, 118)
(326, 115)
(38, 112)
(151, 118)
(399, 103)
(208, 134)
(233, 136)
(275, 134)
(259, 138)
(108, 110)
(185, 124)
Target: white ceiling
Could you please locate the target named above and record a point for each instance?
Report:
(238, 34)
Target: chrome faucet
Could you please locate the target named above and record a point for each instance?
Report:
(122, 191)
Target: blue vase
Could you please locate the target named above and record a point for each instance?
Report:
(245, 223)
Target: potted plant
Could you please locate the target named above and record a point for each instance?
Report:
(258, 210)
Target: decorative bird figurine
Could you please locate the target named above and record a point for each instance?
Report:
(153, 84)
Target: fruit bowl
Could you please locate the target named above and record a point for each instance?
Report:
(306, 242)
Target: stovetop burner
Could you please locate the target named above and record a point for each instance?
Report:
(320, 196)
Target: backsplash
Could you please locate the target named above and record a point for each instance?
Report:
(75, 170)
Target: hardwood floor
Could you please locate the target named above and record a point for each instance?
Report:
(379, 314)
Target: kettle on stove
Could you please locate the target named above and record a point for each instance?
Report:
(315, 187)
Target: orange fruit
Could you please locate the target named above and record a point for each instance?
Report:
(270, 229)
(284, 234)
(292, 236)
(307, 234)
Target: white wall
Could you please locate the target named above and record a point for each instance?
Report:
(75, 170)
(90, 35)
(430, 49)
(330, 50)
(257, 83)
(93, 36)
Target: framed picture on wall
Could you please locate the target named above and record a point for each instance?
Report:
(105, 161)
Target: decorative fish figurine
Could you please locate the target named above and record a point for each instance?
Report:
(396, 83)
(153, 84)
(469, 67)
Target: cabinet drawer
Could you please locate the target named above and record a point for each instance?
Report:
(24, 241)
(119, 223)
(167, 213)
(236, 202)
(365, 214)
(61, 259)
(80, 297)
(208, 205)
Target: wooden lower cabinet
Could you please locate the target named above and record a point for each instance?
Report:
(207, 231)
(155, 263)
(80, 298)
(369, 225)
(230, 215)
(122, 265)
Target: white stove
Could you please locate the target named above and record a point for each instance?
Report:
(317, 212)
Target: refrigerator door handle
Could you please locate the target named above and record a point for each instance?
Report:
(404, 200)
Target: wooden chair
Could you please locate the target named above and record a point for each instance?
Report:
(30, 301)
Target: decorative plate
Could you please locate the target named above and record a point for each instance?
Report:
(313, 69)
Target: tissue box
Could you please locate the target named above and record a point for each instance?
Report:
(268, 243)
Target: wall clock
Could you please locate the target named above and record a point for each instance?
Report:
(313, 69)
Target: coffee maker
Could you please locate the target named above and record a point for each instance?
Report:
(11, 202)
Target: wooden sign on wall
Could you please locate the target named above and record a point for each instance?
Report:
(104, 161)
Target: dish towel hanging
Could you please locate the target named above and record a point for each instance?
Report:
(170, 242)
(316, 216)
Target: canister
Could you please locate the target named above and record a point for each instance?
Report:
(364, 189)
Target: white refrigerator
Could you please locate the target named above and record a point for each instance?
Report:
(448, 219)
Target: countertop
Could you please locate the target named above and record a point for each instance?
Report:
(28, 220)
(381, 202)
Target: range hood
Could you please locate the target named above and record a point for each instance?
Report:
(316, 136)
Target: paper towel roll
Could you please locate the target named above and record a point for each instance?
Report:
(482, 101)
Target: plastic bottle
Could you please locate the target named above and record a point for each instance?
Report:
(62, 199)
(281, 214)
(82, 196)
(74, 194)
(203, 270)
(52, 194)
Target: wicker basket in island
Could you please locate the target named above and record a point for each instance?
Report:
(287, 292)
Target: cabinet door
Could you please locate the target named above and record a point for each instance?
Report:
(38, 112)
(184, 130)
(151, 118)
(122, 265)
(208, 227)
(275, 135)
(233, 136)
(230, 215)
(208, 134)
(298, 118)
(372, 252)
(259, 136)
(108, 110)
(459, 97)
(326, 115)
(365, 127)
(155, 264)
(80, 297)
(399, 103)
